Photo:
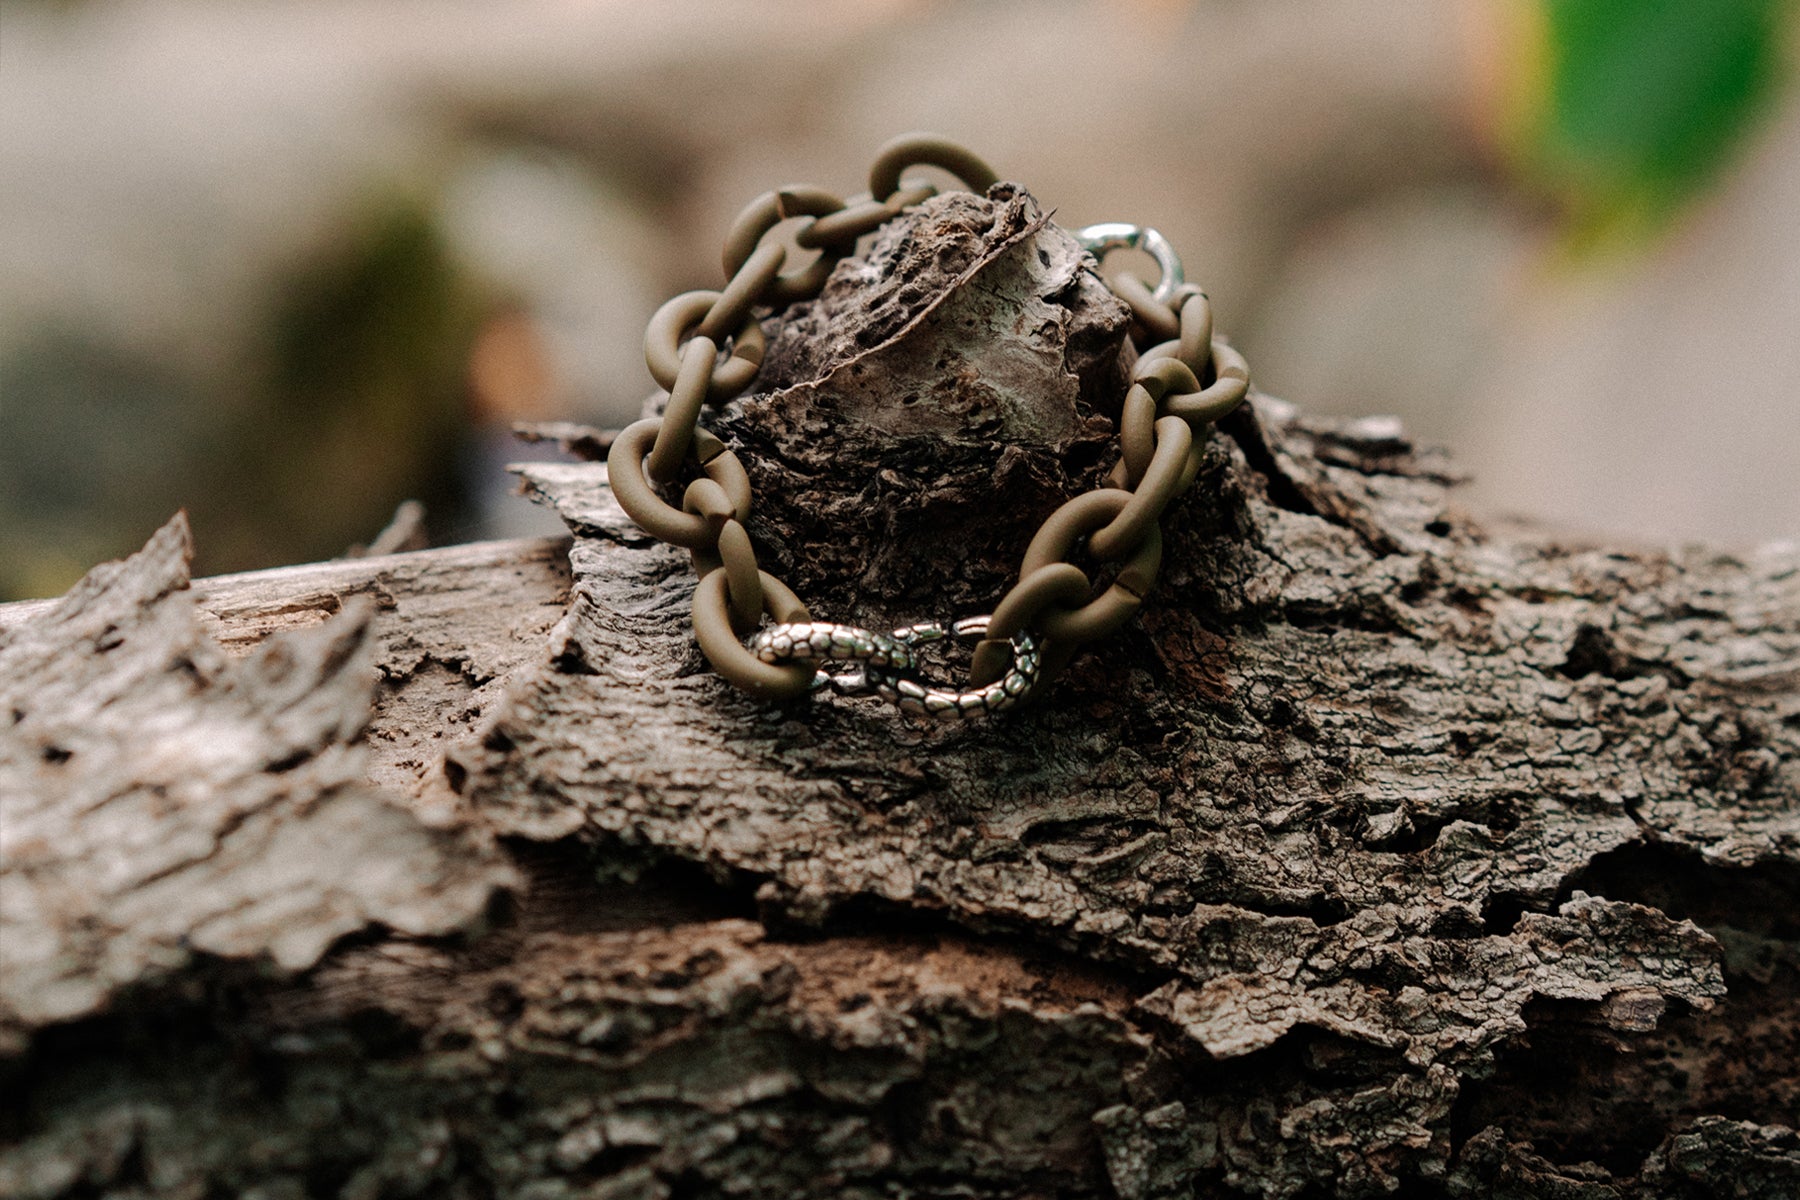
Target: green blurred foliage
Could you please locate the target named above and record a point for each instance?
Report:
(367, 353)
(87, 428)
(1643, 101)
(357, 401)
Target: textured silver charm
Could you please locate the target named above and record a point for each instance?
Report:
(889, 666)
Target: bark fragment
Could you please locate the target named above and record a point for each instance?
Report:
(163, 800)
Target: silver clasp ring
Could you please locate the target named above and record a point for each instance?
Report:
(1116, 235)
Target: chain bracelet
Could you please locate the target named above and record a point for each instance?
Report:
(706, 347)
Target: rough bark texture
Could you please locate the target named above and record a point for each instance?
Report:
(1383, 852)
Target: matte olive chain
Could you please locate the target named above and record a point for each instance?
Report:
(706, 347)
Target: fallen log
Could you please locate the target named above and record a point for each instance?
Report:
(1386, 850)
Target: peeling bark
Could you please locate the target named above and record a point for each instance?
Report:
(163, 801)
(1384, 851)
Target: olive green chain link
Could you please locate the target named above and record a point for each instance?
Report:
(1184, 380)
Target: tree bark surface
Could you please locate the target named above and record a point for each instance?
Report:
(1382, 852)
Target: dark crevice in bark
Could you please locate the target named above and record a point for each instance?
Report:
(1323, 911)
(582, 886)
(872, 917)
(1675, 879)
(1327, 618)
(1562, 1088)
(1243, 428)
(162, 1025)
(1594, 652)
(570, 661)
(1577, 1088)
(1763, 899)
(1500, 914)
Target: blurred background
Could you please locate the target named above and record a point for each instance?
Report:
(286, 264)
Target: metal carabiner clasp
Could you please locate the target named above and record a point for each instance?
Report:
(1097, 240)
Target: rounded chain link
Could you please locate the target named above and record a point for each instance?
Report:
(706, 347)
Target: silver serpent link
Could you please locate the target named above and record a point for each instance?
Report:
(888, 664)
(827, 641)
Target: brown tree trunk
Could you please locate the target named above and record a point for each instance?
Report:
(1383, 851)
